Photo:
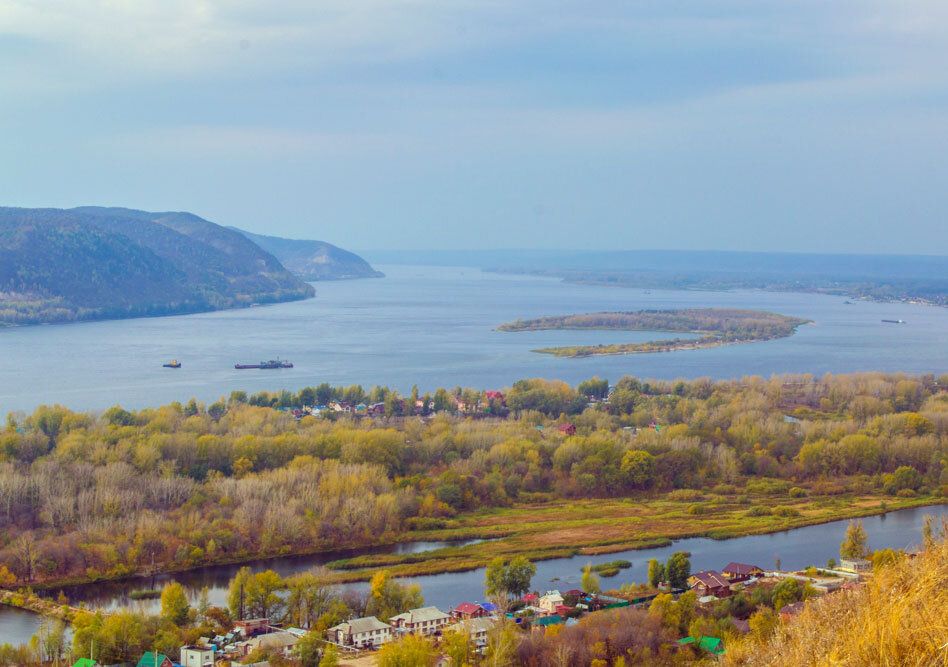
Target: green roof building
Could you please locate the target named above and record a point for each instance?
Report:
(86, 662)
(555, 619)
(151, 660)
(709, 644)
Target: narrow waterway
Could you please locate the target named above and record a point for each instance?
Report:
(797, 548)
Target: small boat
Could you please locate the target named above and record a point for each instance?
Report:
(894, 321)
(173, 364)
(265, 365)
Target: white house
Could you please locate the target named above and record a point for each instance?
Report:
(360, 632)
(197, 656)
(549, 601)
(422, 621)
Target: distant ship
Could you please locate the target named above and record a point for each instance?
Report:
(266, 365)
(894, 321)
(173, 364)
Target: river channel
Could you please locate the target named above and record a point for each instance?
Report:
(797, 548)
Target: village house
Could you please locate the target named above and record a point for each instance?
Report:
(468, 610)
(857, 565)
(197, 656)
(280, 642)
(422, 621)
(735, 572)
(567, 429)
(360, 632)
(789, 611)
(252, 626)
(549, 601)
(709, 582)
(477, 628)
(153, 659)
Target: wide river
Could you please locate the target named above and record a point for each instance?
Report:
(811, 545)
(435, 326)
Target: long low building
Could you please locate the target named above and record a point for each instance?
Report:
(421, 621)
(365, 632)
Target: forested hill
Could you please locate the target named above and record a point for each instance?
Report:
(94, 263)
(314, 260)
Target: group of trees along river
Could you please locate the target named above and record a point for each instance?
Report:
(85, 495)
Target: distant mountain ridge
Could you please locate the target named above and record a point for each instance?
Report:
(314, 260)
(62, 265)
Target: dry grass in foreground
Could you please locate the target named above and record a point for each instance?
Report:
(899, 618)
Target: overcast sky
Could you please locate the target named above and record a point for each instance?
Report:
(750, 125)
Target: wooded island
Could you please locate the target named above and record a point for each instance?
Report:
(714, 326)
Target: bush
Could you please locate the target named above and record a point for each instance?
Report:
(797, 492)
(697, 509)
(758, 510)
(610, 572)
(725, 489)
(743, 500)
(684, 495)
(906, 493)
(786, 511)
(767, 487)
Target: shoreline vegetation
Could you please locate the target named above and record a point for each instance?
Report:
(541, 468)
(713, 326)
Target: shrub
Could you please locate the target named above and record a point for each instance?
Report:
(767, 487)
(797, 492)
(743, 500)
(684, 495)
(785, 511)
(697, 509)
(758, 510)
(725, 489)
(906, 493)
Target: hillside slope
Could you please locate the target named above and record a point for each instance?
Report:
(314, 260)
(95, 263)
(898, 618)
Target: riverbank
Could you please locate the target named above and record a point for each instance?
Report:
(562, 529)
(594, 527)
(29, 601)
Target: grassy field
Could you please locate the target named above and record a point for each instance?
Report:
(560, 529)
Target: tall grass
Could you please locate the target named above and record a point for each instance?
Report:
(900, 617)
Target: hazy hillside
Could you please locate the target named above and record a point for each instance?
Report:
(92, 263)
(314, 260)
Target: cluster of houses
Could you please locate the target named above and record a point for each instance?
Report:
(477, 618)
(460, 405)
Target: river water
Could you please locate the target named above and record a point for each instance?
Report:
(435, 326)
(797, 548)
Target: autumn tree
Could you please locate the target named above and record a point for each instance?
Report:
(174, 603)
(854, 544)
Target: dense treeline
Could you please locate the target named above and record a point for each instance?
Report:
(92, 495)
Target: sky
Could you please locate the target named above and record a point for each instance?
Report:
(791, 125)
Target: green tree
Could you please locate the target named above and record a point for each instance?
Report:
(174, 603)
(203, 605)
(854, 545)
(458, 646)
(389, 597)
(263, 599)
(589, 582)
(410, 651)
(237, 593)
(509, 579)
(763, 622)
(656, 572)
(308, 649)
(638, 467)
(502, 642)
(330, 657)
(786, 592)
(678, 569)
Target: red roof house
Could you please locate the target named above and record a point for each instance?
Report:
(467, 610)
(741, 571)
(567, 429)
(710, 582)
